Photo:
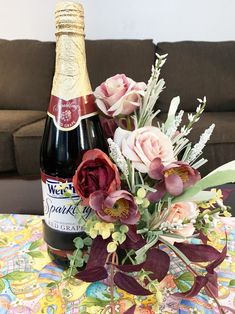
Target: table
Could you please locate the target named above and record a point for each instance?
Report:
(26, 269)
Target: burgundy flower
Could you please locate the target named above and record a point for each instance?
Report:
(118, 205)
(173, 178)
(95, 173)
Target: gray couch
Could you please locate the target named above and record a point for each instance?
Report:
(193, 69)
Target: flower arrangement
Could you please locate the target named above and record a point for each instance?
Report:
(147, 198)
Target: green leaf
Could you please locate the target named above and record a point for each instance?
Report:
(78, 263)
(87, 241)
(124, 228)
(172, 112)
(203, 196)
(36, 254)
(78, 242)
(184, 281)
(2, 285)
(232, 283)
(17, 275)
(35, 244)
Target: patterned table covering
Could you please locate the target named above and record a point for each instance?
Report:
(26, 269)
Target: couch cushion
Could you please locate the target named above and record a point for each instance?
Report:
(217, 155)
(224, 127)
(106, 58)
(27, 68)
(10, 121)
(195, 69)
(27, 141)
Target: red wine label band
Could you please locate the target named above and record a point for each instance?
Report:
(67, 114)
(59, 208)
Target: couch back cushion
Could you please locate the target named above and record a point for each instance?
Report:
(27, 67)
(197, 69)
(106, 58)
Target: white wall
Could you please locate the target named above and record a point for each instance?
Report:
(162, 20)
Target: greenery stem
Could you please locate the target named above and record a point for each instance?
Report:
(184, 259)
(112, 272)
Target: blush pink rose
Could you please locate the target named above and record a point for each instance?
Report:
(119, 95)
(178, 212)
(143, 145)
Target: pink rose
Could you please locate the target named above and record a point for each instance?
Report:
(119, 95)
(144, 145)
(179, 212)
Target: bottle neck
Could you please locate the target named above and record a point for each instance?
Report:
(71, 77)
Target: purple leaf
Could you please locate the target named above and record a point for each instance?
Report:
(203, 237)
(129, 284)
(92, 274)
(129, 268)
(210, 268)
(158, 263)
(198, 252)
(134, 240)
(199, 283)
(98, 253)
(131, 310)
(212, 285)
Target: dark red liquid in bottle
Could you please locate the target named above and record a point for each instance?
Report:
(61, 153)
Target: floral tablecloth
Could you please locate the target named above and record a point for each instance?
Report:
(26, 270)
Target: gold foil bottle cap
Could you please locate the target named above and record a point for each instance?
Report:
(69, 17)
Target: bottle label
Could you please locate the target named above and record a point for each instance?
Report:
(67, 114)
(59, 208)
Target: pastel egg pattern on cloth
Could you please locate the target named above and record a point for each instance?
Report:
(26, 270)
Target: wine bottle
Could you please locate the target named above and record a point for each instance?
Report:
(72, 127)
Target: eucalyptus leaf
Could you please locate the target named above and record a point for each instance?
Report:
(87, 241)
(78, 242)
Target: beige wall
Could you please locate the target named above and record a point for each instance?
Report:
(162, 20)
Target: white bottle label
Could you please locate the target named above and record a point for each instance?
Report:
(59, 209)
